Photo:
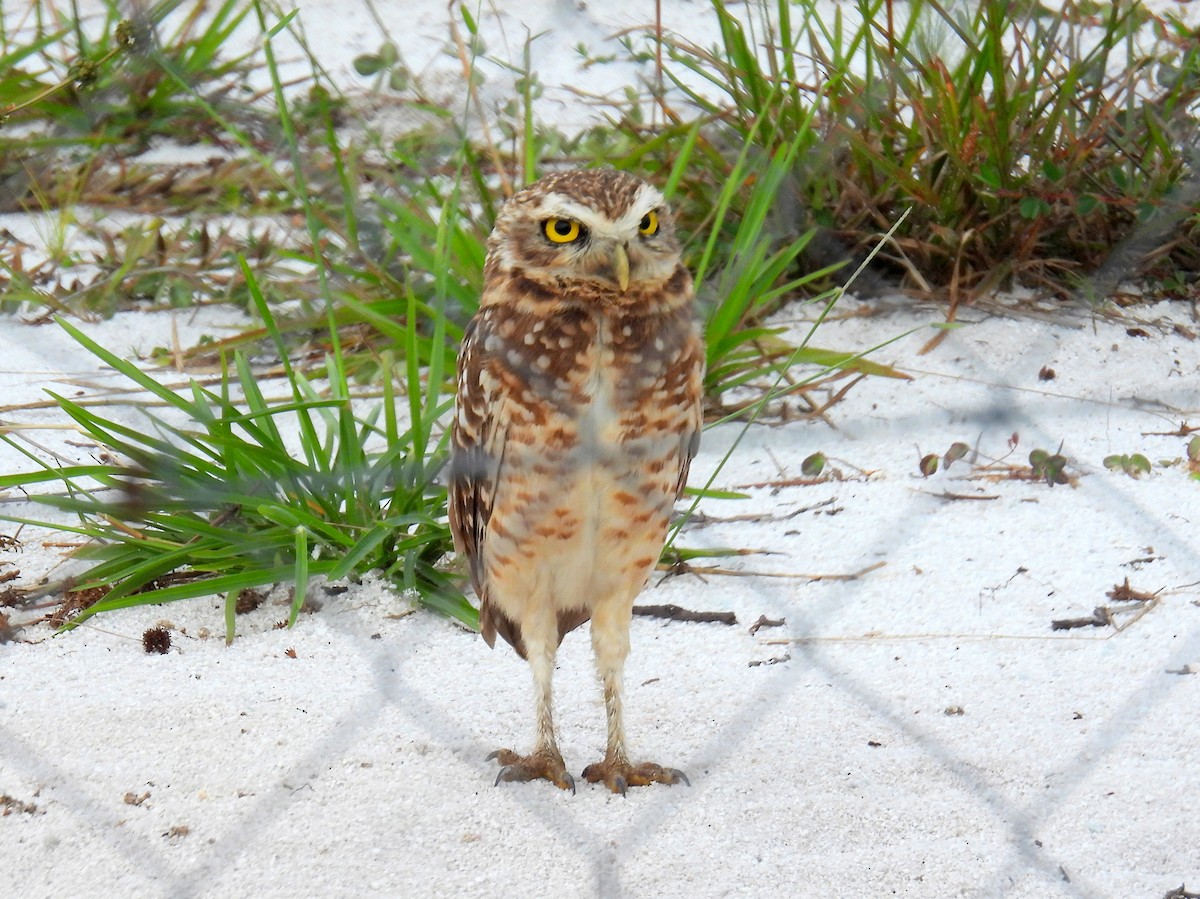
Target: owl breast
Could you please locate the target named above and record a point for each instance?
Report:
(598, 436)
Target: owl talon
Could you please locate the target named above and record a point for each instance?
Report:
(539, 766)
(512, 774)
(619, 776)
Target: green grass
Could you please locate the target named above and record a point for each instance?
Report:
(993, 143)
(218, 503)
(114, 84)
(1022, 142)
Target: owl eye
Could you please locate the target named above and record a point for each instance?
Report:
(562, 230)
(649, 224)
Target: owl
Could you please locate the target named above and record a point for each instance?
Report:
(578, 411)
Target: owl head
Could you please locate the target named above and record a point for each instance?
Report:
(594, 235)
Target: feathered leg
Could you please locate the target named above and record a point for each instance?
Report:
(545, 762)
(610, 643)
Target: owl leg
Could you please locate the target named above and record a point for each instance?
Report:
(610, 643)
(545, 762)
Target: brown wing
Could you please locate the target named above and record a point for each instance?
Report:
(478, 438)
(691, 373)
(477, 441)
(476, 459)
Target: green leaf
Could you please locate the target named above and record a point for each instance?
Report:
(813, 465)
(1139, 464)
(956, 451)
(368, 64)
(848, 361)
(468, 19)
(1052, 171)
(1087, 204)
(1033, 207)
(398, 79)
(711, 493)
(282, 23)
(1116, 462)
(990, 176)
(300, 579)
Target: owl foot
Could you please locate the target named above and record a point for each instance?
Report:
(541, 765)
(617, 775)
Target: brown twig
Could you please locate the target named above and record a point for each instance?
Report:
(676, 613)
(699, 519)
(1184, 430)
(680, 568)
(764, 621)
(852, 576)
(1101, 617)
(1125, 593)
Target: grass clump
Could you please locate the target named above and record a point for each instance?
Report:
(120, 83)
(1026, 141)
(223, 503)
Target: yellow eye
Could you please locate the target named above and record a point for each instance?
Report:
(649, 224)
(561, 230)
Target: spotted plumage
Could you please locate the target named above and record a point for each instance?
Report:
(577, 413)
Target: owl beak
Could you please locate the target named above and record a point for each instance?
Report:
(620, 266)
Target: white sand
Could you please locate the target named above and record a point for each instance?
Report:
(358, 766)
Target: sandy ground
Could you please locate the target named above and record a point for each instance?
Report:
(920, 730)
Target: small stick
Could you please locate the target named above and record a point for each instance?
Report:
(676, 613)
(764, 621)
(852, 576)
(1125, 593)
(945, 495)
(1101, 617)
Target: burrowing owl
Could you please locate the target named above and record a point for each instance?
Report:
(578, 412)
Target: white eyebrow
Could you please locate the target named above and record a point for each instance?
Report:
(562, 206)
